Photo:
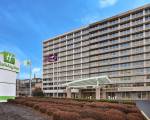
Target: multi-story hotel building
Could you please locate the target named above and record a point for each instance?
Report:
(118, 47)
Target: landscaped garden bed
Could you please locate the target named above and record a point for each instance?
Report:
(68, 109)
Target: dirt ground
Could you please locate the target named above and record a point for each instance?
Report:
(16, 112)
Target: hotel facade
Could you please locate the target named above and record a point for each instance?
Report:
(117, 47)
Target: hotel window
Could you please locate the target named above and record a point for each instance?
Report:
(135, 29)
(124, 45)
(124, 38)
(125, 25)
(104, 49)
(70, 42)
(124, 58)
(113, 41)
(85, 65)
(138, 14)
(147, 11)
(147, 26)
(126, 78)
(113, 54)
(125, 18)
(115, 66)
(138, 50)
(70, 36)
(124, 65)
(77, 61)
(138, 57)
(125, 32)
(113, 28)
(77, 50)
(77, 44)
(135, 22)
(147, 34)
(139, 71)
(103, 43)
(138, 64)
(147, 18)
(148, 77)
(77, 55)
(114, 47)
(138, 43)
(124, 72)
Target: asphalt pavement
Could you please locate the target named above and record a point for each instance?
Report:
(144, 107)
(18, 112)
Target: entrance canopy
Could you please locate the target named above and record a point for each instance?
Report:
(93, 81)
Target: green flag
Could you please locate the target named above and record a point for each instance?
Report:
(27, 62)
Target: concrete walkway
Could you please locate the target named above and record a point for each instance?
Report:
(144, 107)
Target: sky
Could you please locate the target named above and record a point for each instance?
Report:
(25, 24)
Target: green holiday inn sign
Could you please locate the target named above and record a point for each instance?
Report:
(8, 62)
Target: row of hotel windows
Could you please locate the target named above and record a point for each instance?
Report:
(84, 61)
(116, 41)
(135, 67)
(101, 60)
(122, 19)
(100, 45)
(77, 77)
(135, 29)
(104, 52)
(122, 32)
(109, 86)
(77, 47)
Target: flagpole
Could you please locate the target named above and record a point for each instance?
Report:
(30, 79)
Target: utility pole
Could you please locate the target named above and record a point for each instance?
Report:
(30, 79)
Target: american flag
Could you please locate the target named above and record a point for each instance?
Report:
(51, 58)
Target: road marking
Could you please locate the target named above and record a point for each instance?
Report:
(145, 115)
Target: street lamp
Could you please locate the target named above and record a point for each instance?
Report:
(29, 64)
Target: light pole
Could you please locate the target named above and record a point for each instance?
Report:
(29, 64)
(30, 79)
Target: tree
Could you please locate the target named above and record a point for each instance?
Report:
(37, 92)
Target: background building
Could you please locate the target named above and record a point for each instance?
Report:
(23, 86)
(118, 47)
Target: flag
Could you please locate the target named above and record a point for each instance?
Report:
(51, 58)
(27, 62)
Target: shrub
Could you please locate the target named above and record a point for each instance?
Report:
(43, 109)
(114, 114)
(62, 115)
(135, 116)
(30, 103)
(95, 114)
(38, 92)
(51, 111)
(87, 119)
(36, 106)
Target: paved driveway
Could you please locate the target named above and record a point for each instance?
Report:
(144, 107)
(16, 112)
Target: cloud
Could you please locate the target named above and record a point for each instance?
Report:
(107, 3)
(90, 19)
(36, 70)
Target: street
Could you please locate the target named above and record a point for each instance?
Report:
(144, 107)
(16, 112)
